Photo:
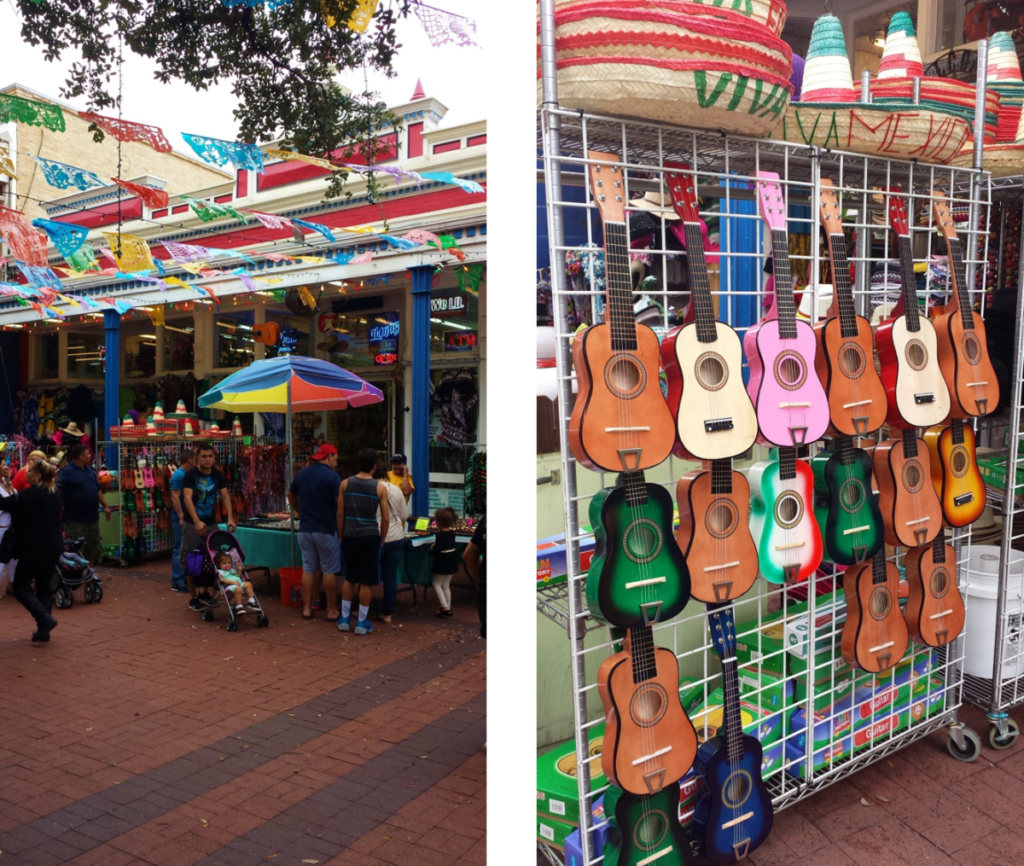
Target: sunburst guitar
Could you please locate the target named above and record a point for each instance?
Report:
(875, 634)
(620, 421)
(714, 534)
(649, 742)
(955, 472)
(935, 609)
(645, 829)
(845, 507)
(782, 518)
(910, 507)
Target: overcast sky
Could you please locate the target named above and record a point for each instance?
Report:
(451, 74)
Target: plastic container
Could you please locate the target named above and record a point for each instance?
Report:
(291, 586)
(981, 596)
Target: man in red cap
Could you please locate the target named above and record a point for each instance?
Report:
(314, 499)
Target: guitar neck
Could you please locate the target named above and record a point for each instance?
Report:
(878, 570)
(635, 484)
(957, 431)
(909, 281)
(700, 287)
(732, 718)
(783, 285)
(841, 284)
(909, 443)
(963, 299)
(787, 463)
(620, 314)
(721, 477)
(939, 549)
(845, 448)
(641, 649)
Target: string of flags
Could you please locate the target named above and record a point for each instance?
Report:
(220, 152)
(126, 130)
(64, 176)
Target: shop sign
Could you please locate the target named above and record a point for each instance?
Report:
(288, 342)
(385, 359)
(380, 333)
(459, 341)
(448, 303)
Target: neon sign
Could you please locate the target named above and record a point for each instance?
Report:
(379, 333)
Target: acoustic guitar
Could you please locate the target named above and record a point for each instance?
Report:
(714, 535)
(963, 345)
(935, 609)
(790, 403)
(637, 574)
(645, 829)
(955, 474)
(910, 508)
(734, 812)
(782, 518)
(908, 347)
(649, 742)
(620, 420)
(845, 360)
(703, 361)
(875, 634)
(845, 508)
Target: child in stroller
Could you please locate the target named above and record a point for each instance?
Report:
(227, 571)
(74, 571)
(223, 566)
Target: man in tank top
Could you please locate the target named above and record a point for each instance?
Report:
(361, 541)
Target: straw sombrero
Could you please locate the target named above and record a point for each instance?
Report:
(656, 203)
(767, 13)
(901, 56)
(1003, 76)
(1003, 159)
(827, 76)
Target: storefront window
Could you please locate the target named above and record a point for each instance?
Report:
(140, 351)
(363, 341)
(453, 322)
(48, 355)
(233, 340)
(291, 335)
(85, 359)
(179, 345)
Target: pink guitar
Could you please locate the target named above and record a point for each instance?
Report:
(791, 405)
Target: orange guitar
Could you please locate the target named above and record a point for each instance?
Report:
(875, 634)
(910, 508)
(620, 421)
(649, 742)
(935, 609)
(963, 345)
(955, 472)
(714, 534)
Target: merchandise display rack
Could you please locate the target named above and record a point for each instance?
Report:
(723, 168)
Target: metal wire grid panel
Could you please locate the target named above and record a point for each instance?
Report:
(723, 169)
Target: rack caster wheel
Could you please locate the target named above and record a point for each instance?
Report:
(998, 742)
(97, 592)
(971, 750)
(206, 615)
(63, 598)
(232, 625)
(88, 594)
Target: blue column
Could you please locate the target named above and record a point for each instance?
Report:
(422, 277)
(111, 381)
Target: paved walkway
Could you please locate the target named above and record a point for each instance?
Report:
(141, 735)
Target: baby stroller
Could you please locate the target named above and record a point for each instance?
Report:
(218, 542)
(74, 571)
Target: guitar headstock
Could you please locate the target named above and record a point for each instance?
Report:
(943, 215)
(899, 222)
(683, 189)
(723, 631)
(606, 185)
(829, 212)
(771, 199)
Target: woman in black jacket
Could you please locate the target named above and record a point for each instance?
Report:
(38, 543)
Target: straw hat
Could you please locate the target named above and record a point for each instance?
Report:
(767, 13)
(901, 56)
(655, 203)
(72, 430)
(827, 76)
(945, 93)
(1003, 65)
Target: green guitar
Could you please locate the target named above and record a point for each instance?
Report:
(847, 510)
(638, 575)
(645, 829)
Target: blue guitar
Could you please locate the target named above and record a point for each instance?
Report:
(734, 812)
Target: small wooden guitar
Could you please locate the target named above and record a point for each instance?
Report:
(644, 829)
(620, 421)
(791, 405)
(875, 634)
(844, 506)
(916, 393)
(649, 742)
(935, 609)
(782, 518)
(734, 812)
(637, 575)
(963, 344)
(910, 508)
(955, 472)
(714, 535)
(845, 360)
(704, 360)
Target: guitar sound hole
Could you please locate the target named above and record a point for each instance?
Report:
(648, 705)
(642, 541)
(916, 354)
(790, 371)
(972, 349)
(851, 494)
(940, 582)
(851, 360)
(711, 371)
(624, 376)
(721, 518)
(736, 789)
(913, 477)
(958, 462)
(788, 510)
(650, 831)
(880, 603)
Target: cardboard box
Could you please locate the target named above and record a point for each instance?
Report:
(764, 687)
(827, 727)
(761, 723)
(551, 563)
(771, 760)
(826, 756)
(691, 693)
(557, 788)
(829, 616)
(553, 831)
(573, 848)
(833, 682)
(764, 645)
(993, 470)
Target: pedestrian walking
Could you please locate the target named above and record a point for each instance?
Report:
(392, 553)
(6, 568)
(20, 482)
(180, 582)
(202, 484)
(80, 491)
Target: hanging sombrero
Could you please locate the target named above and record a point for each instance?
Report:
(828, 114)
(672, 62)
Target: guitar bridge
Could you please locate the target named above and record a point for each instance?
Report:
(716, 424)
(924, 398)
(963, 499)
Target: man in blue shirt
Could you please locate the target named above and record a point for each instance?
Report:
(313, 496)
(80, 490)
(179, 582)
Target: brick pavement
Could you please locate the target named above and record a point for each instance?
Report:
(141, 735)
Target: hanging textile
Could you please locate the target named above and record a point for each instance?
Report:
(298, 225)
(444, 27)
(17, 109)
(40, 277)
(469, 277)
(126, 130)
(187, 252)
(67, 237)
(28, 245)
(448, 177)
(208, 210)
(218, 152)
(64, 176)
(7, 164)
(151, 196)
(270, 220)
(131, 253)
(291, 155)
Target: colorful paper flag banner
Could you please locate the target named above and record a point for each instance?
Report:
(7, 164)
(444, 27)
(270, 220)
(469, 277)
(208, 210)
(252, 4)
(40, 277)
(82, 262)
(448, 177)
(131, 253)
(20, 110)
(219, 152)
(151, 196)
(122, 305)
(64, 176)
(126, 130)
(421, 236)
(291, 155)
(359, 19)
(298, 225)
(67, 237)
(27, 244)
(187, 252)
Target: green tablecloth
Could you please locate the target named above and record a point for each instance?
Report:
(267, 547)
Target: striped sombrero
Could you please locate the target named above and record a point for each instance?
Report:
(767, 13)
(901, 56)
(1003, 159)
(937, 93)
(827, 76)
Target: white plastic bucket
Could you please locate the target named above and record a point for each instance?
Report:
(981, 598)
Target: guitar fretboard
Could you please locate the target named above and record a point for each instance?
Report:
(621, 317)
(700, 287)
(909, 284)
(783, 285)
(956, 258)
(846, 455)
(878, 566)
(957, 431)
(939, 549)
(841, 284)
(641, 647)
(635, 484)
(787, 463)
(910, 443)
(721, 477)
